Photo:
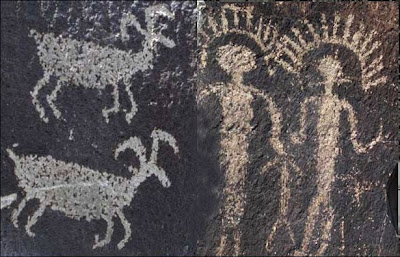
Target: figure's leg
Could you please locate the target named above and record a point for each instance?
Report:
(127, 227)
(15, 214)
(326, 231)
(115, 108)
(107, 238)
(313, 211)
(35, 94)
(33, 219)
(53, 97)
(134, 108)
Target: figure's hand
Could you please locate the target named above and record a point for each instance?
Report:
(297, 138)
(364, 148)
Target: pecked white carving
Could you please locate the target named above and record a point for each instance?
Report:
(80, 192)
(85, 64)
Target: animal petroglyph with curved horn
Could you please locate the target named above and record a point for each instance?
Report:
(89, 65)
(80, 192)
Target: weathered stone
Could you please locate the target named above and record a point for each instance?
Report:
(63, 64)
(184, 128)
(311, 148)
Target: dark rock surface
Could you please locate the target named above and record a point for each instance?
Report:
(331, 186)
(163, 220)
(286, 124)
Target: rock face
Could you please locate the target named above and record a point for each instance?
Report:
(98, 115)
(176, 128)
(300, 101)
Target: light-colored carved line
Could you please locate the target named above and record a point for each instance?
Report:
(335, 26)
(379, 81)
(299, 36)
(316, 36)
(325, 31)
(8, 200)
(267, 31)
(249, 17)
(224, 21)
(370, 51)
(376, 62)
(357, 39)
(293, 44)
(377, 70)
(212, 23)
(342, 239)
(259, 29)
(348, 23)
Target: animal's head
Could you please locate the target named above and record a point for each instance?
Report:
(155, 34)
(149, 167)
(151, 32)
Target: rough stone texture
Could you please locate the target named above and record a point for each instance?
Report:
(164, 221)
(260, 129)
(315, 177)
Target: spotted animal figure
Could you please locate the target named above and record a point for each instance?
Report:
(80, 192)
(78, 63)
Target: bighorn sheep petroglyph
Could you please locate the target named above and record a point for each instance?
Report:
(89, 65)
(80, 192)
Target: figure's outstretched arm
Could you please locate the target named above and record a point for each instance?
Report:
(276, 119)
(207, 90)
(300, 136)
(360, 147)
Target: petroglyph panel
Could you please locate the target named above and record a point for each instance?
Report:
(95, 156)
(297, 96)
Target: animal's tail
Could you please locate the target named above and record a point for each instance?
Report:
(7, 200)
(12, 155)
(36, 35)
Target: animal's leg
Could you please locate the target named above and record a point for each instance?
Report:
(53, 97)
(35, 93)
(16, 213)
(127, 227)
(115, 108)
(134, 108)
(33, 219)
(107, 238)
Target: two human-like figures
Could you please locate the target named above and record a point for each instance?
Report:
(235, 98)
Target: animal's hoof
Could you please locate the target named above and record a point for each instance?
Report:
(129, 117)
(30, 233)
(121, 245)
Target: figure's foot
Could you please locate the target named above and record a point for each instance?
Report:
(98, 243)
(121, 245)
(14, 219)
(129, 117)
(106, 113)
(29, 232)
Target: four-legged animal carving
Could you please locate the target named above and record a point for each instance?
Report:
(80, 192)
(89, 65)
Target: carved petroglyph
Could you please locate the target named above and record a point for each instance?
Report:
(329, 109)
(89, 65)
(80, 192)
(236, 99)
(235, 129)
(8, 200)
(293, 48)
(263, 34)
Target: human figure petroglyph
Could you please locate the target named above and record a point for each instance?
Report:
(89, 65)
(236, 99)
(329, 108)
(291, 53)
(80, 192)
